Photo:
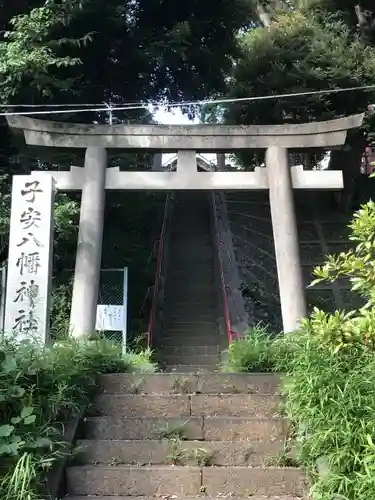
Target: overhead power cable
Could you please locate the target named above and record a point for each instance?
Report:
(98, 108)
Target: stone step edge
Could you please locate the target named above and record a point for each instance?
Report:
(222, 374)
(167, 395)
(125, 467)
(261, 446)
(193, 380)
(200, 497)
(157, 452)
(234, 429)
(188, 418)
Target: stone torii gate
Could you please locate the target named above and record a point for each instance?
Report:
(278, 177)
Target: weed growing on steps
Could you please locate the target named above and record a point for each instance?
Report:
(200, 457)
(182, 384)
(39, 390)
(252, 353)
(172, 432)
(178, 455)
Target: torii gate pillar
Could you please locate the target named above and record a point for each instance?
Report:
(278, 177)
(89, 248)
(285, 233)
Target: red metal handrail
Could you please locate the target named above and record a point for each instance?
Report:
(159, 263)
(230, 333)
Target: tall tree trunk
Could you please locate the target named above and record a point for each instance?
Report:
(263, 15)
(366, 21)
(349, 161)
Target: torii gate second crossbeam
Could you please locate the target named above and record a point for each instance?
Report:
(277, 177)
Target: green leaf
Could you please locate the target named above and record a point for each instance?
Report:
(30, 420)
(27, 411)
(16, 420)
(6, 430)
(9, 364)
(42, 442)
(18, 391)
(9, 449)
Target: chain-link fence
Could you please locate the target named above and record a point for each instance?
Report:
(112, 291)
(113, 286)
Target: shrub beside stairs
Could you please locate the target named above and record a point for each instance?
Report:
(183, 435)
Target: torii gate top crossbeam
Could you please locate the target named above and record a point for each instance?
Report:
(180, 137)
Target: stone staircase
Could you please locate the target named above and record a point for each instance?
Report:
(183, 435)
(189, 335)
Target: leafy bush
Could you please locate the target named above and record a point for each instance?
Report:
(60, 314)
(330, 398)
(252, 353)
(330, 383)
(39, 389)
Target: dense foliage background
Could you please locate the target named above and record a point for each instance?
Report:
(91, 51)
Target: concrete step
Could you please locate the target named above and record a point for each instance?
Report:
(181, 405)
(198, 292)
(240, 429)
(196, 241)
(191, 248)
(166, 383)
(172, 451)
(189, 369)
(188, 258)
(180, 301)
(196, 302)
(184, 317)
(194, 359)
(140, 428)
(180, 266)
(133, 481)
(200, 246)
(196, 313)
(234, 405)
(175, 270)
(134, 405)
(178, 306)
(256, 497)
(184, 481)
(195, 256)
(192, 428)
(185, 350)
(187, 338)
(191, 322)
(190, 276)
(190, 285)
(251, 481)
(209, 332)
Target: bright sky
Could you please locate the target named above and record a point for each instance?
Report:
(176, 118)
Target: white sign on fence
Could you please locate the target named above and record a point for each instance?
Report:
(30, 258)
(110, 318)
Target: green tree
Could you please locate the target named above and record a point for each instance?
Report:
(310, 47)
(79, 51)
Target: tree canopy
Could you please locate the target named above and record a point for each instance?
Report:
(305, 46)
(121, 50)
(104, 51)
(95, 51)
